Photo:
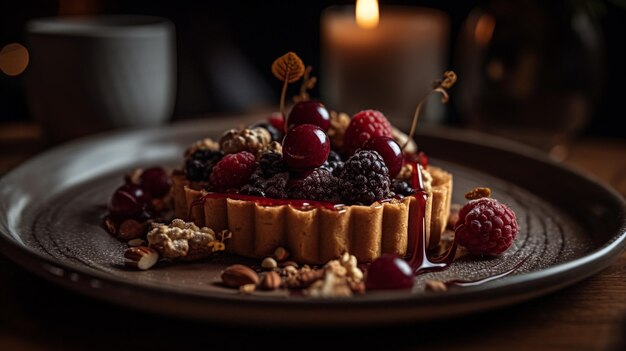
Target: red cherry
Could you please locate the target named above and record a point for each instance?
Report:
(155, 181)
(309, 112)
(389, 272)
(306, 146)
(128, 201)
(277, 120)
(389, 150)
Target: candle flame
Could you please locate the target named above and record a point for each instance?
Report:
(367, 13)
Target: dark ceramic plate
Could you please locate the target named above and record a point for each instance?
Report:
(571, 227)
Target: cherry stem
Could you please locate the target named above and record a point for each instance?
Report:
(444, 99)
(305, 83)
(282, 98)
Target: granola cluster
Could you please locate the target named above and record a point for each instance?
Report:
(185, 240)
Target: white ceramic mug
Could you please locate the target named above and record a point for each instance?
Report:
(89, 74)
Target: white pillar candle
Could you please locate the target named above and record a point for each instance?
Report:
(387, 66)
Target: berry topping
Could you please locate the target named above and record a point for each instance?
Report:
(365, 178)
(277, 134)
(390, 152)
(199, 165)
(319, 185)
(309, 112)
(155, 181)
(363, 126)
(305, 147)
(389, 272)
(274, 187)
(486, 227)
(271, 163)
(233, 171)
(334, 163)
(403, 188)
(128, 201)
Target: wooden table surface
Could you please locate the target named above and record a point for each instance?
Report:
(37, 315)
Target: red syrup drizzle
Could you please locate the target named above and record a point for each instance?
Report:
(265, 201)
(419, 261)
(457, 283)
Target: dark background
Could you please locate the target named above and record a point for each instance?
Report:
(252, 34)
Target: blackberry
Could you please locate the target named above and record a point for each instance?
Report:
(199, 165)
(271, 163)
(256, 184)
(274, 187)
(364, 178)
(334, 163)
(319, 185)
(403, 188)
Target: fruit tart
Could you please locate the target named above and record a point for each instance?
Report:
(315, 182)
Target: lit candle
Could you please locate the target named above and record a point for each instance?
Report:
(385, 62)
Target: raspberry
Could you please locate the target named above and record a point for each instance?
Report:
(199, 165)
(319, 185)
(365, 178)
(488, 227)
(233, 171)
(365, 125)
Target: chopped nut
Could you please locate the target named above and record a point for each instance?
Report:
(341, 278)
(252, 140)
(290, 270)
(130, 229)
(339, 122)
(269, 263)
(184, 240)
(237, 275)
(247, 289)
(281, 254)
(141, 257)
(357, 287)
(303, 278)
(330, 286)
(110, 226)
(271, 280)
(435, 285)
(406, 173)
(136, 242)
(478, 193)
(288, 263)
(274, 147)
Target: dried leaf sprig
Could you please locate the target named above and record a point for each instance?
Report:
(308, 83)
(439, 86)
(289, 69)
